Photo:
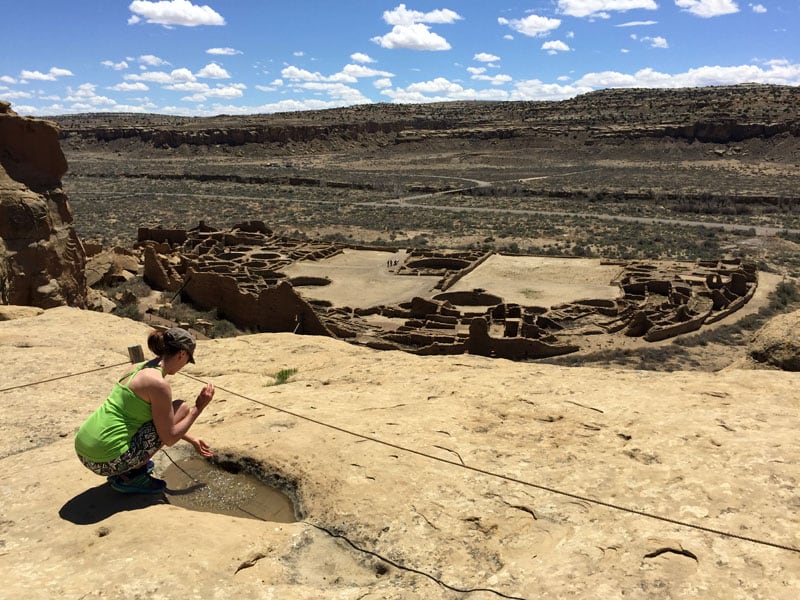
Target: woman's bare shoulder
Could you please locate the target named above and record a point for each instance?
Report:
(149, 383)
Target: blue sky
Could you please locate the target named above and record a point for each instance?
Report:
(259, 56)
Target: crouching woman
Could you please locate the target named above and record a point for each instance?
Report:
(139, 417)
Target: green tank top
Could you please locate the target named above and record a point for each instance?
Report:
(106, 434)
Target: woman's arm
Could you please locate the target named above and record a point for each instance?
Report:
(200, 445)
(172, 424)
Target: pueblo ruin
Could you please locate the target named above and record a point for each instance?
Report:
(241, 272)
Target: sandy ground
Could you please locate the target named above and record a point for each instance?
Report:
(543, 281)
(362, 279)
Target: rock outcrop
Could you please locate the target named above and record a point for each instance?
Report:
(42, 259)
(777, 344)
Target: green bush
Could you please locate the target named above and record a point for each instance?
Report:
(128, 311)
(785, 294)
(283, 376)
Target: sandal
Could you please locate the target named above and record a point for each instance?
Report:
(139, 484)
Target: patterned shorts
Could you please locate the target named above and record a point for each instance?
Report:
(144, 444)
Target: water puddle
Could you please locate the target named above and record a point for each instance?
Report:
(197, 484)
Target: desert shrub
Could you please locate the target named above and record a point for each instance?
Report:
(135, 287)
(128, 311)
(183, 312)
(283, 376)
(785, 295)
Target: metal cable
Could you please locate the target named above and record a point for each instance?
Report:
(461, 465)
(24, 385)
(635, 511)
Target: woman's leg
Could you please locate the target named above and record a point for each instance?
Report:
(180, 409)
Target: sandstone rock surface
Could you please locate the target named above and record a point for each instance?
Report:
(41, 258)
(414, 477)
(778, 343)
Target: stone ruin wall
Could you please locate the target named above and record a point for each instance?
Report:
(238, 272)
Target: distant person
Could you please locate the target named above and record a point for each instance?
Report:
(139, 417)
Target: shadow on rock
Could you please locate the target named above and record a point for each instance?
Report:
(99, 503)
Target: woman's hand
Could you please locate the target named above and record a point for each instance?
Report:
(205, 396)
(200, 445)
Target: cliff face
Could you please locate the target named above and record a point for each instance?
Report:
(41, 258)
(727, 114)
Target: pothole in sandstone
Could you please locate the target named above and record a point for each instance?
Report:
(225, 488)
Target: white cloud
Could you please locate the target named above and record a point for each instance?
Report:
(343, 94)
(298, 53)
(532, 25)
(708, 8)
(182, 74)
(440, 85)
(758, 8)
(52, 75)
(173, 12)
(413, 37)
(293, 73)
(188, 86)
(282, 106)
(492, 79)
(360, 57)
(410, 32)
(656, 42)
(485, 57)
(349, 74)
(402, 16)
(120, 66)
(152, 61)
(213, 71)
(360, 71)
(150, 76)
(383, 83)
(86, 96)
(533, 89)
(7, 79)
(777, 72)
(223, 51)
(15, 95)
(227, 92)
(56, 72)
(176, 76)
(440, 90)
(476, 70)
(555, 46)
(599, 8)
(636, 23)
(129, 87)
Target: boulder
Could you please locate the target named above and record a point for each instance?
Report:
(778, 342)
(9, 313)
(110, 267)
